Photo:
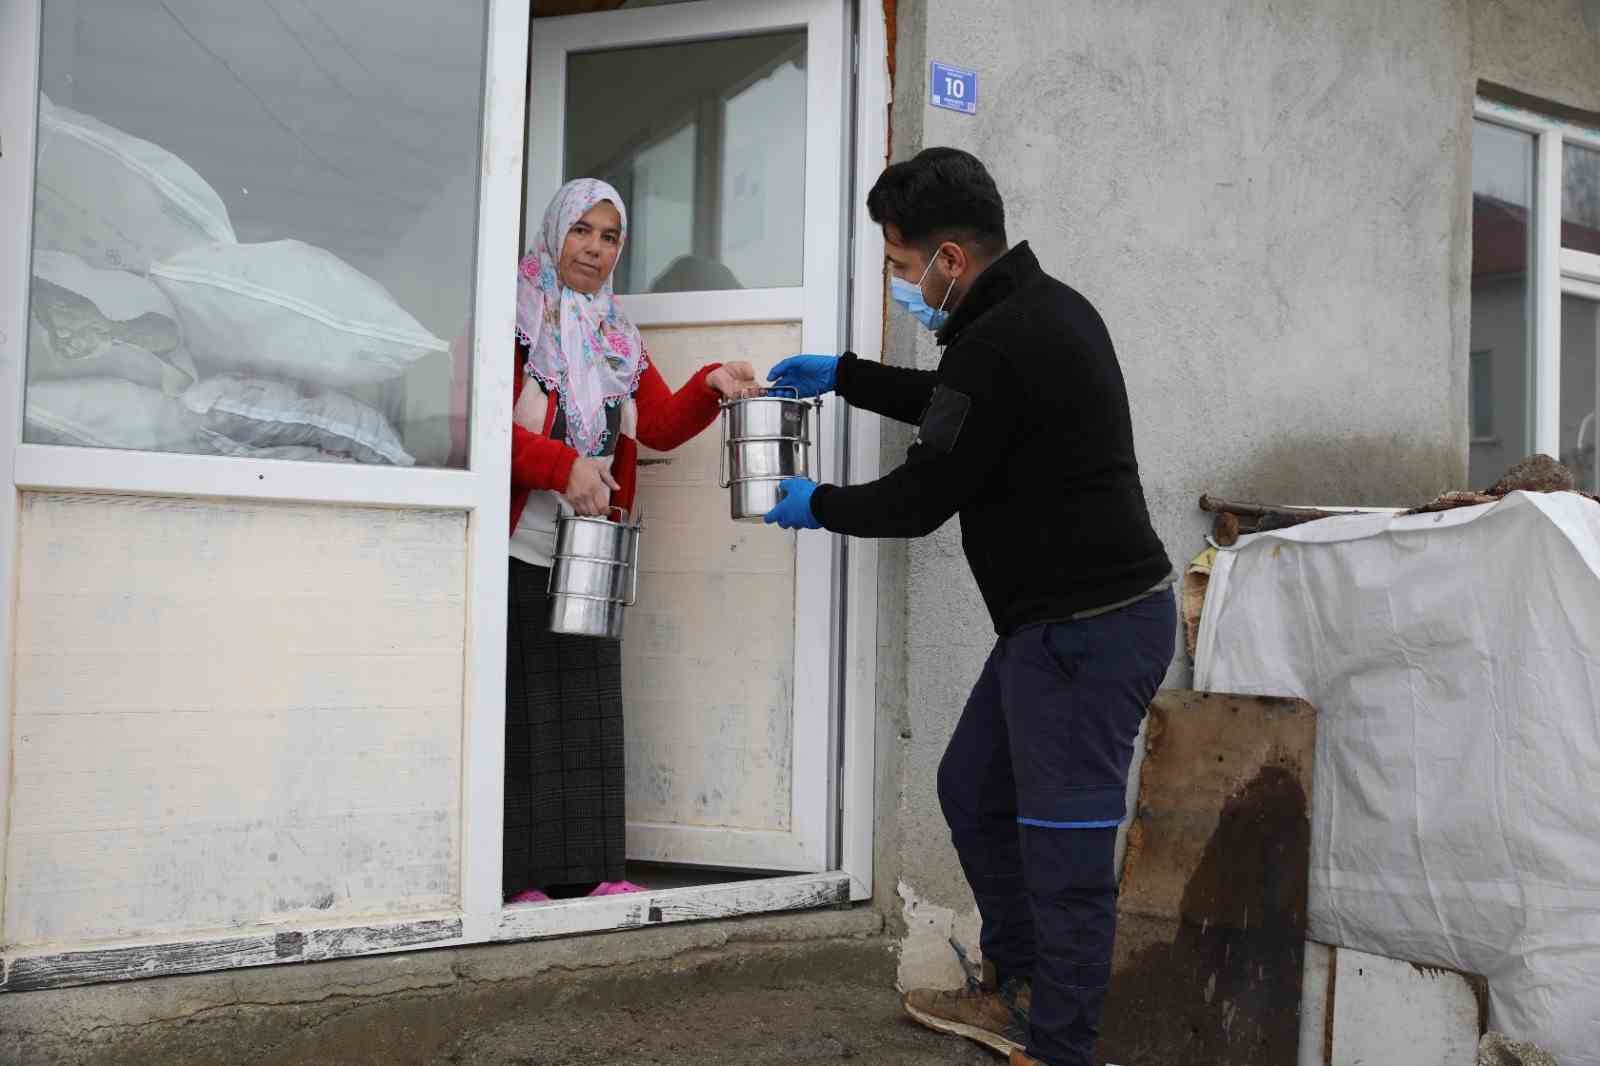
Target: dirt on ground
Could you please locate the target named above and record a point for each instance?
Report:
(837, 1012)
(805, 1004)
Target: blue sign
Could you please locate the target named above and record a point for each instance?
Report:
(955, 89)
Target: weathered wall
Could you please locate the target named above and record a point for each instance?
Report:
(1547, 49)
(1269, 202)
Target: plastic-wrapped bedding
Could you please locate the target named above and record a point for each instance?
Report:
(1454, 659)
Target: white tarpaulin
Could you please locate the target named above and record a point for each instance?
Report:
(1454, 660)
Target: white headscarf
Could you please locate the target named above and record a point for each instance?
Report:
(583, 348)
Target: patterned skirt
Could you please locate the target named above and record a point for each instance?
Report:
(564, 808)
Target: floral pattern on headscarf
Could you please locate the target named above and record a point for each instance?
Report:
(580, 347)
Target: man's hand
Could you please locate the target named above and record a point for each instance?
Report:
(809, 375)
(590, 485)
(794, 505)
(734, 381)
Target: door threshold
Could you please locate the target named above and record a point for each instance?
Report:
(691, 903)
(276, 945)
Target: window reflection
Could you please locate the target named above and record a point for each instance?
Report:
(1502, 323)
(255, 227)
(711, 161)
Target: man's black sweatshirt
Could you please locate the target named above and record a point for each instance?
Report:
(1023, 431)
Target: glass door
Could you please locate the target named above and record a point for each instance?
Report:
(723, 124)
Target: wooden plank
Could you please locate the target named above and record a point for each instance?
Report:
(1212, 907)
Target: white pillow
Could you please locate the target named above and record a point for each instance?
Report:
(106, 413)
(300, 452)
(116, 200)
(85, 322)
(290, 310)
(260, 414)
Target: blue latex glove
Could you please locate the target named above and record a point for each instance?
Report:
(794, 505)
(809, 375)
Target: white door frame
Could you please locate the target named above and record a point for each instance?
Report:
(817, 303)
(481, 917)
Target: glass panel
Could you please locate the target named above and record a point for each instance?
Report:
(1580, 391)
(1580, 199)
(763, 178)
(1501, 371)
(1481, 403)
(711, 160)
(254, 229)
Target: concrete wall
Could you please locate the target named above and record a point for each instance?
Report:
(1548, 49)
(1270, 204)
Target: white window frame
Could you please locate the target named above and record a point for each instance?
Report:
(1555, 271)
(479, 490)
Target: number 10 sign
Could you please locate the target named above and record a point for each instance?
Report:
(955, 89)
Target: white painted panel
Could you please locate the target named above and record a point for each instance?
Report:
(1399, 1014)
(708, 661)
(230, 713)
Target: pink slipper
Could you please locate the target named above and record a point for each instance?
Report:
(531, 895)
(616, 888)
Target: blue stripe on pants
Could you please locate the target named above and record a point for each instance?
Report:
(1033, 785)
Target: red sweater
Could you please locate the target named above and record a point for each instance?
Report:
(666, 420)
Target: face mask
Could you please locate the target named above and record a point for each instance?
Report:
(909, 296)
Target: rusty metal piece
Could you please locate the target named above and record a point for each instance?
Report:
(1225, 529)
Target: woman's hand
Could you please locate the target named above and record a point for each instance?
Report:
(590, 485)
(734, 381)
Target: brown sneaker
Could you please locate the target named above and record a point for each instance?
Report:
(995, 1017)
(1020, 1058)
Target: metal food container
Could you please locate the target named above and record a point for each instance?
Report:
(594, 576)
(765, 439)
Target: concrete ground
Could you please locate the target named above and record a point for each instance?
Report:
(807, 990)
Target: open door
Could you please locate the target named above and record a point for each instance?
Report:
(724, 125)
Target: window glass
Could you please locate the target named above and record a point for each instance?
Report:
(711, 159)
(1481, 409)
(1502, 322)
(1580, 199)
(254, 228)
(1580, 345)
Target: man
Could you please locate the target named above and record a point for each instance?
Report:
(1024, 432)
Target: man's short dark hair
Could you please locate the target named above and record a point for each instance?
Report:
(941, 194)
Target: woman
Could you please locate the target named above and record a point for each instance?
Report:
(585, 394)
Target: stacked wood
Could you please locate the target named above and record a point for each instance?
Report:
(1451, 500)
(1537, 473)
